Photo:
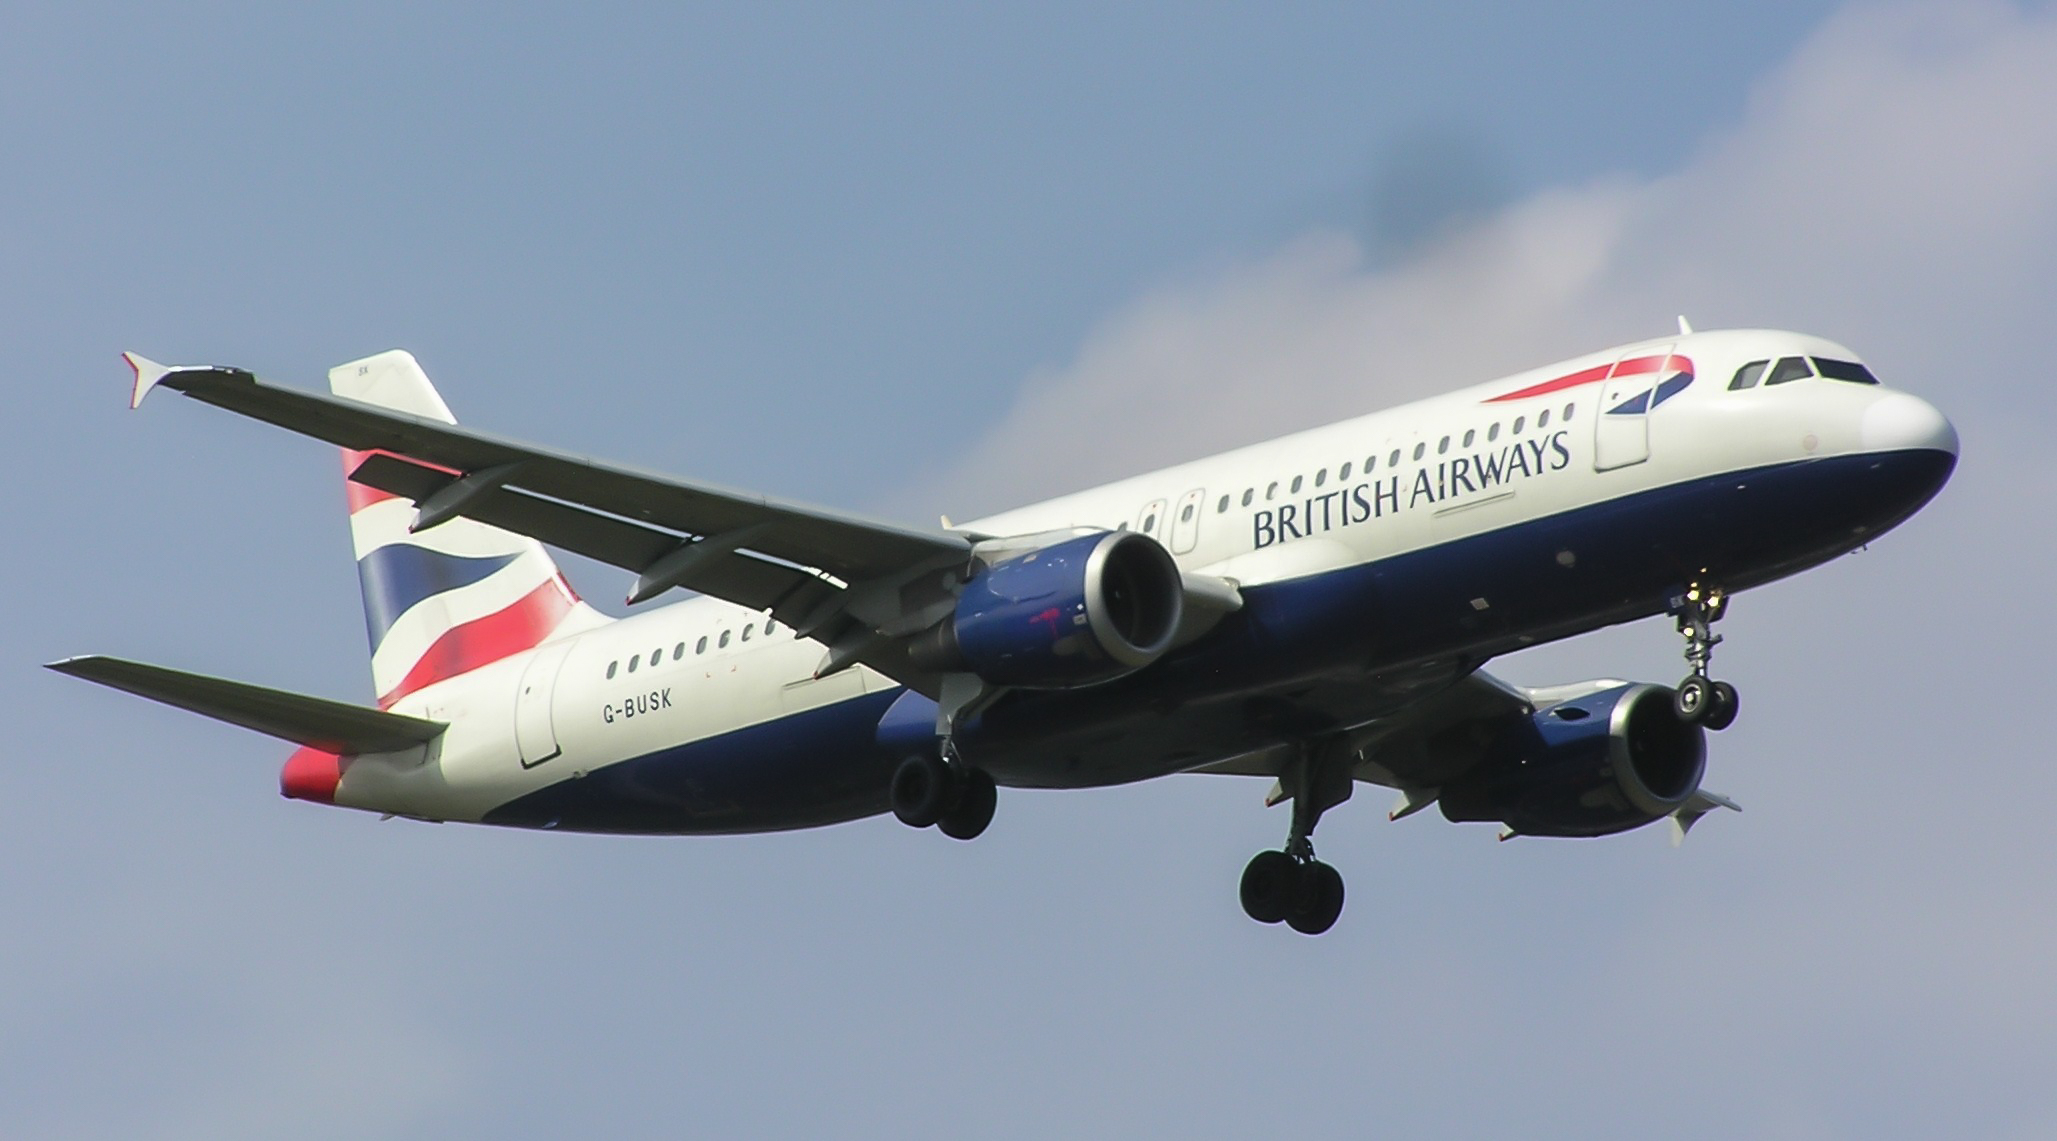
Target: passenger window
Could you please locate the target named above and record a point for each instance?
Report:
(1186, 515)
(1150, 523)
(634, 660)
(1519, 421)
(1568, 410)
(770, 624)
(1493, 432)
(747, 629)
(611, 667)
(1747, 376)
(1343, 474)
(1470, 434)
(656, 655)
(1444, 446)
(1420, 450)
(678, 652)
(1543, 419)
(1321, 477)
(1844, 370)
(1221, 507)
(1249, 493)
(724, 643)
(1297, 481)
(701, 648)
(1394, 459)
(1272, 491)
(1789, 369)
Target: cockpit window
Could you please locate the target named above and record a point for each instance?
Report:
(1748, 375)
(1844, 370)
(1789, 369)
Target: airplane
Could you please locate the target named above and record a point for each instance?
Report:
(1314, 609)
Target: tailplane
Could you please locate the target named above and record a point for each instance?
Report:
(451, 597)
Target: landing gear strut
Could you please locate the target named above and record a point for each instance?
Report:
(1291, 885)
(1701, 700)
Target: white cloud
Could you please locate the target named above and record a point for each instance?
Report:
(1896, 180)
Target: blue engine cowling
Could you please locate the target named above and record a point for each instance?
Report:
(1608, 762)
(1074, 612)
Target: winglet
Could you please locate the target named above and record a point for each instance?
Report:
(148, 373)
(1685, 327)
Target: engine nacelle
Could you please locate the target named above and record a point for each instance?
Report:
(1608, 762)
(1070, 612)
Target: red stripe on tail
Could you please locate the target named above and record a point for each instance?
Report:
(483, 641)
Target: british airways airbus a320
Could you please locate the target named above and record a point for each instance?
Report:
(1314, 609)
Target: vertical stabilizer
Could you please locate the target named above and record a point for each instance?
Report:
(452, 597)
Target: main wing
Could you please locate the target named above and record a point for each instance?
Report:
(831, 575)
(1438, 736)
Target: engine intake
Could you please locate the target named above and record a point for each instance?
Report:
(1068, 613)
(1605, 763)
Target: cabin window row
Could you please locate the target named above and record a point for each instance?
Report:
(1469, 439)
(678, 652)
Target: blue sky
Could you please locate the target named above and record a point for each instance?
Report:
(920, 259)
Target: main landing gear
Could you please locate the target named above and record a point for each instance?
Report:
(1291, 885)
(1700, 700)
(939, 789)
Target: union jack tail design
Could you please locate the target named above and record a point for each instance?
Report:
(453, 597)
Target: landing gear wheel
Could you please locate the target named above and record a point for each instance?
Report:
(923, 789)
(973, 810)
(1320, 899)
(1271, 886)
(1694, 700)
(1722, 712)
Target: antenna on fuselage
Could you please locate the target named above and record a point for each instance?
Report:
(1685, 327)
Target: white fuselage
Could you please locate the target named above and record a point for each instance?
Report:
(1357, 492)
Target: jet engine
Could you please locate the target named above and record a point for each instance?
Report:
(1608, 762)
(1057, 612)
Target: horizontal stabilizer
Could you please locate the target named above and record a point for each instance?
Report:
(330, 726)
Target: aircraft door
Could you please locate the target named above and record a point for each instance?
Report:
(1151, 520)
(1621, 424)
(535, 731)
(1185, 521)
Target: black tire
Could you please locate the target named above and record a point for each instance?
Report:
(1271, 885)
(1695, 697)
(1721, 713)
(923, 789)
(1321, 899)
(973, 810)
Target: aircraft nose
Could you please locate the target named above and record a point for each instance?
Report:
(1900, 422)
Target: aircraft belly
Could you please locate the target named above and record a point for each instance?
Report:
(1304, 657)
(1336, 650)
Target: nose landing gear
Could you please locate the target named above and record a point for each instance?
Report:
(1700, 700)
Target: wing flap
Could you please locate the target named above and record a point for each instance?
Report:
(331, 726)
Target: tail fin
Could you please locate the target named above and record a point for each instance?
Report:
(453, 597)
